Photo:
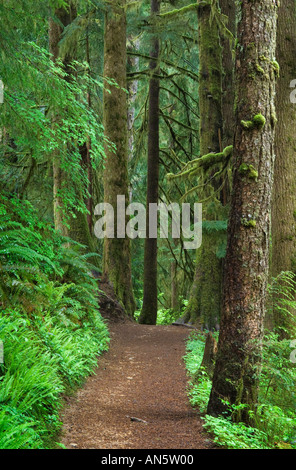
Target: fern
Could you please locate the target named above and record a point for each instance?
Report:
(50, 325)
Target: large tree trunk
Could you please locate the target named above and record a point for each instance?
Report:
(284, 190)
(237, 368)
(149, 308)
(117, 257)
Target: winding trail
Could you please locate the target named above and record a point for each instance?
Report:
(141, 376)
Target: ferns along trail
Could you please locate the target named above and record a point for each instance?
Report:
(147, 234)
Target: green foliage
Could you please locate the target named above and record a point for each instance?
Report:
(281, 303)
(275, 423)
(45, 114)
(198, 392)
(43, 358)
(225, 432)
(166, 316)
(235, 436)
(50, 326)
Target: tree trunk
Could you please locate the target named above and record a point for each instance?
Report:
(149, 308)
(237, 369)
(210, 351)
(174, 287)
(205, 294)
(132, 87)
(284, 190)
(228, 9)
(117, 257)
(205, 305)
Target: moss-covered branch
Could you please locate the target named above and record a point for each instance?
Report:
(178, 11)
(205, 162)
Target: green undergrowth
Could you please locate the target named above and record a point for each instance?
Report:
(51, 330)
(165, 316)
(275, 421)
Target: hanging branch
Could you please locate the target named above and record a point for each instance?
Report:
(169, 63)
(165, 116)
(179, 99)
(173, 134)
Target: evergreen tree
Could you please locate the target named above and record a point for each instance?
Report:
(205, 297)
(237, 367)
(284, 200)
(117, 257)
(149, 308)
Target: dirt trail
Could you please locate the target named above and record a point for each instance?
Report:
(141, 376)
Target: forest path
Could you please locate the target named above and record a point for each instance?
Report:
(143, 376)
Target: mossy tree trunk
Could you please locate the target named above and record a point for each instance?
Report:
(117, 257)
(228, 9)
(205, 295)
(205, 299)
(149, 309)
(132, 87)
(238, 362)
(284, 190)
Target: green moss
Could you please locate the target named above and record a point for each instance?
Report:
(273, 119)
(243, 168)
(274, 64)
(276, 68)
(258, 122)
(247, 124)
(260, 69)
(248, 170)
(253, 174)
(248, 222)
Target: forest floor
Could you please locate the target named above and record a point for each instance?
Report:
(136, 398)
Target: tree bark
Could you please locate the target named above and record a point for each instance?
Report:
(228, 9)
(210, 351)
(284, 190)
(117, 257)
(237, 369)
(132, 87)
(149, 309)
